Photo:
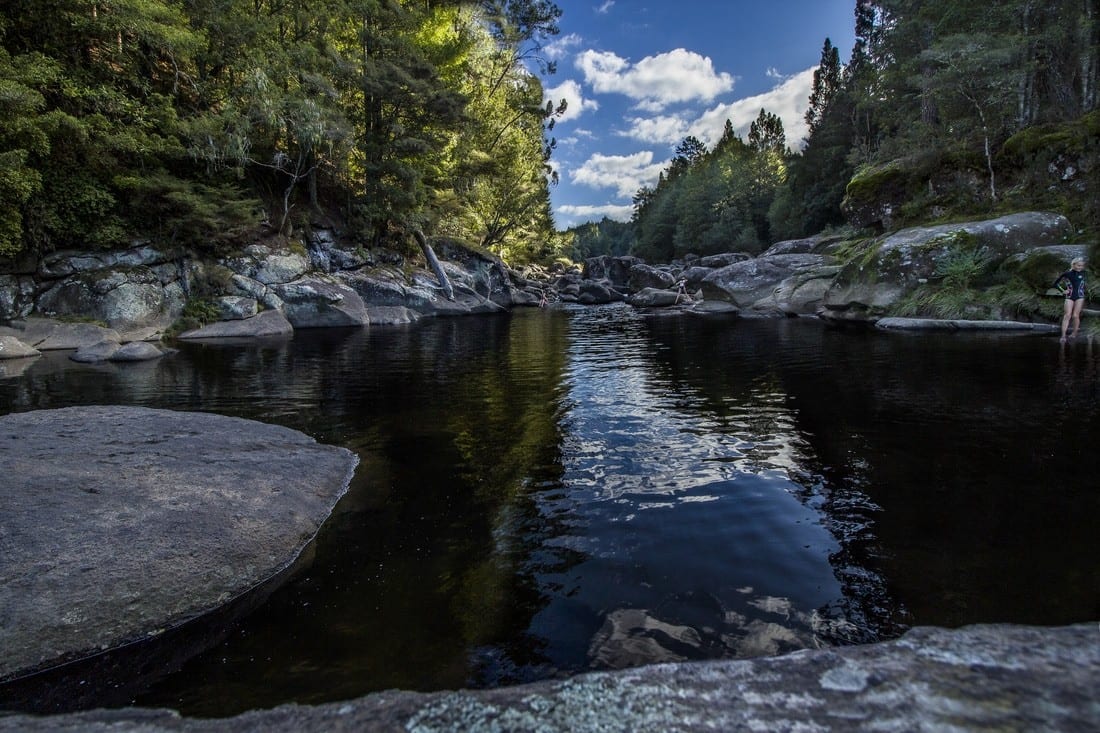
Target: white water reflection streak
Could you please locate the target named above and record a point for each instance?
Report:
(651, 474)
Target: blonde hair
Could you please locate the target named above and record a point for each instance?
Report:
(1075, 260)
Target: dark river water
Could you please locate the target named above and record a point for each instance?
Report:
(558, 491)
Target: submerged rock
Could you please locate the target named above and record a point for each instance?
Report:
(99, 351)
(12, 348)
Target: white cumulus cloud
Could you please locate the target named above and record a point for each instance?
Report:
(575, 103)
(623, 173)
(561, 47)
(656, 81)
(577, 214)
(663, 129)
(788, 100)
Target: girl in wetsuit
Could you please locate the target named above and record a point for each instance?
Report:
(1072, 283)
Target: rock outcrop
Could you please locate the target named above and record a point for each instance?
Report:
(121, 524)
(976, 678)
(894, 265)
(313, 285)
(12, 348)
(326, 283)
(268, 323)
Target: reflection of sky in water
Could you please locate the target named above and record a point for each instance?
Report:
(650, 477)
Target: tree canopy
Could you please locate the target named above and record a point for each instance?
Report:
(972, 106)
(189, 121)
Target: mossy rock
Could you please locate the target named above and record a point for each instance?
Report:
(1037, 268)
(876, 194)
(1071, 138)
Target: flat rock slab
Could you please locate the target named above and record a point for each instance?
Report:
(1010, 678)
(957, 324)
(120, 523)
(268, 323)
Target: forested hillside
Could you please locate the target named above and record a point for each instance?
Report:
(189, 121)
(946, 109)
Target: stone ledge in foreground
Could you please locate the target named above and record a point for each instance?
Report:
(975, 678)
(122, 523)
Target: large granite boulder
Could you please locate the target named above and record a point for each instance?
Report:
(236, 307)
(482, 272)
(658, 298)
(722, 260)
(381, 286)
(802, 292)
(616, 270)
(123, 298)
(270, 262)
(65, 263)
(246, 287)
(97, 352)
(755, 281)
(328, 254)
(48, 335)
(818, 244)
(121, 524)
(597, 292)
(318, 301)
(644, 276)
(895, 264)
(137, 351)
(133, 288)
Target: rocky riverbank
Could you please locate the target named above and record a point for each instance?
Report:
(276, 286)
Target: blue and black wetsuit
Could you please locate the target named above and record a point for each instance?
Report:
(1076, 282)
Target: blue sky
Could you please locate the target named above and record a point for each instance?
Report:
(641, 75)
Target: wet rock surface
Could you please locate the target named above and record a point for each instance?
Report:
(975, 678)
(121, 523)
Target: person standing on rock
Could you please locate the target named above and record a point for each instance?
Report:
(1072, 284)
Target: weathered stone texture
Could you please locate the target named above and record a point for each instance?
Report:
(120, 523)
(1008, 678)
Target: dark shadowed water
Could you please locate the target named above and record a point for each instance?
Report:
(563, 490)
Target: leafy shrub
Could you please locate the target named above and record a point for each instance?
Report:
(960, 267)
(859, 252)
(201, 310)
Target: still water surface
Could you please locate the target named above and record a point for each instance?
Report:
(563, 490)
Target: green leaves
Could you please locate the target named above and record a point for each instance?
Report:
(400, 113)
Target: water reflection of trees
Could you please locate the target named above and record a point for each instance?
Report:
(951, 468)
(942, 468)
(748, 384)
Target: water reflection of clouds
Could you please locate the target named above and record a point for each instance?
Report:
(676, 467)
(631, 637)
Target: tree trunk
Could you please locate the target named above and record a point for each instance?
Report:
(1025, 108)
(1090, 65)
(433, 262)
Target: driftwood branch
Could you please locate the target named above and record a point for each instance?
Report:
(433, 262)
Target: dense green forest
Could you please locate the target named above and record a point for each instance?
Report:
(189, 122)
(945, 110)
